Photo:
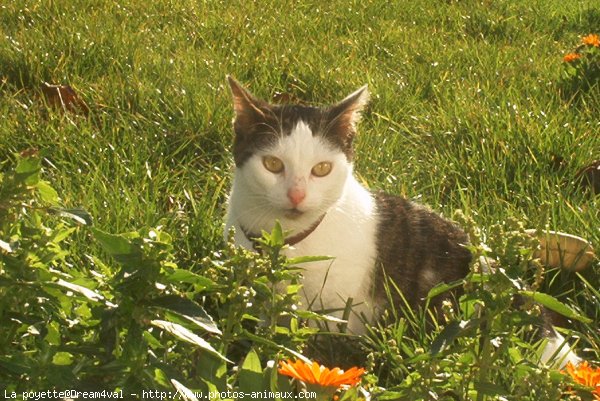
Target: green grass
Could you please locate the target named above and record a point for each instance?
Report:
(468, 108)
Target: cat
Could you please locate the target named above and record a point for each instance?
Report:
(294, 164)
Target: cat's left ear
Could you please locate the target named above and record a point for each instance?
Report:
(348, 111)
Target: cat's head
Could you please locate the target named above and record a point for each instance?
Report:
(292, 161)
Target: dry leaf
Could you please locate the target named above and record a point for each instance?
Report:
(563, 250)
(589, 176)
(64, 97)
(29, 152)
(286, 98)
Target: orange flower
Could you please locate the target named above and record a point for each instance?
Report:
(571, 57)
(591, 39)
(584, 374)
(317, 374)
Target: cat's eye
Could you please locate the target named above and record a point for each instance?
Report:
(321, 169)
(273, 164)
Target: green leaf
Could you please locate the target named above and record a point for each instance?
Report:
(392, 396)
(114, 244)
(62, 358)
(28, 170)
(84, 312)
(214, 371)
(515, 355)
(213, 389)
(277, 235)
(81, 216)
(251, 377)
(47, 193)
(477, 278)
(53, 335)
(188, 336)
(188, 309)
(443, 287)
(306, 259)
(262, 340)
(86, 292)
(16, 368)
(134, 346)
(449, 333)
(62, 234)
(183, 393)
(490, 389)
(275, 381)
(186, 276)
(160, 236)
(293, 289)
(152, 341)
(350, 394)
(161, 377)
(121, 248)
(28, 165)
(558, 377)
(307, 314)
(468, 304)
(554, 304)
(247, 316)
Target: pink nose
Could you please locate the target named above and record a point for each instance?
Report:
(296, 195)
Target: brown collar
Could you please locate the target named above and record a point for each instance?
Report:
(291, 241)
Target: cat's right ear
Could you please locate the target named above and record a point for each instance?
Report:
(348, 111)
(248, 109)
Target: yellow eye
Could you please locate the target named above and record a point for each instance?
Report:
(273, 164)
(321, 169)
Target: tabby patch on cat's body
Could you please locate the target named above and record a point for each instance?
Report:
(294, 165)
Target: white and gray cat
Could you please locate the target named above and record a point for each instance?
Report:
(294, 165)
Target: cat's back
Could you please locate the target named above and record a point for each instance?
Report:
(417, 247)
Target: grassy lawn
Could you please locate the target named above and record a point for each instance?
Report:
(470, 110)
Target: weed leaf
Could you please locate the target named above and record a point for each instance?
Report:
(86, 292)
(443, 287)
(186, 276)
(447, 336)
(47, 193)
(277, 234)
(115, 245)
(490, 389)
(261, 340)
(62, 358)
(81, 216)
(28, 170)
(251, 377)
(554, 304)
(188, 336)
(187, 309)
(305, 259)
(183, 392)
